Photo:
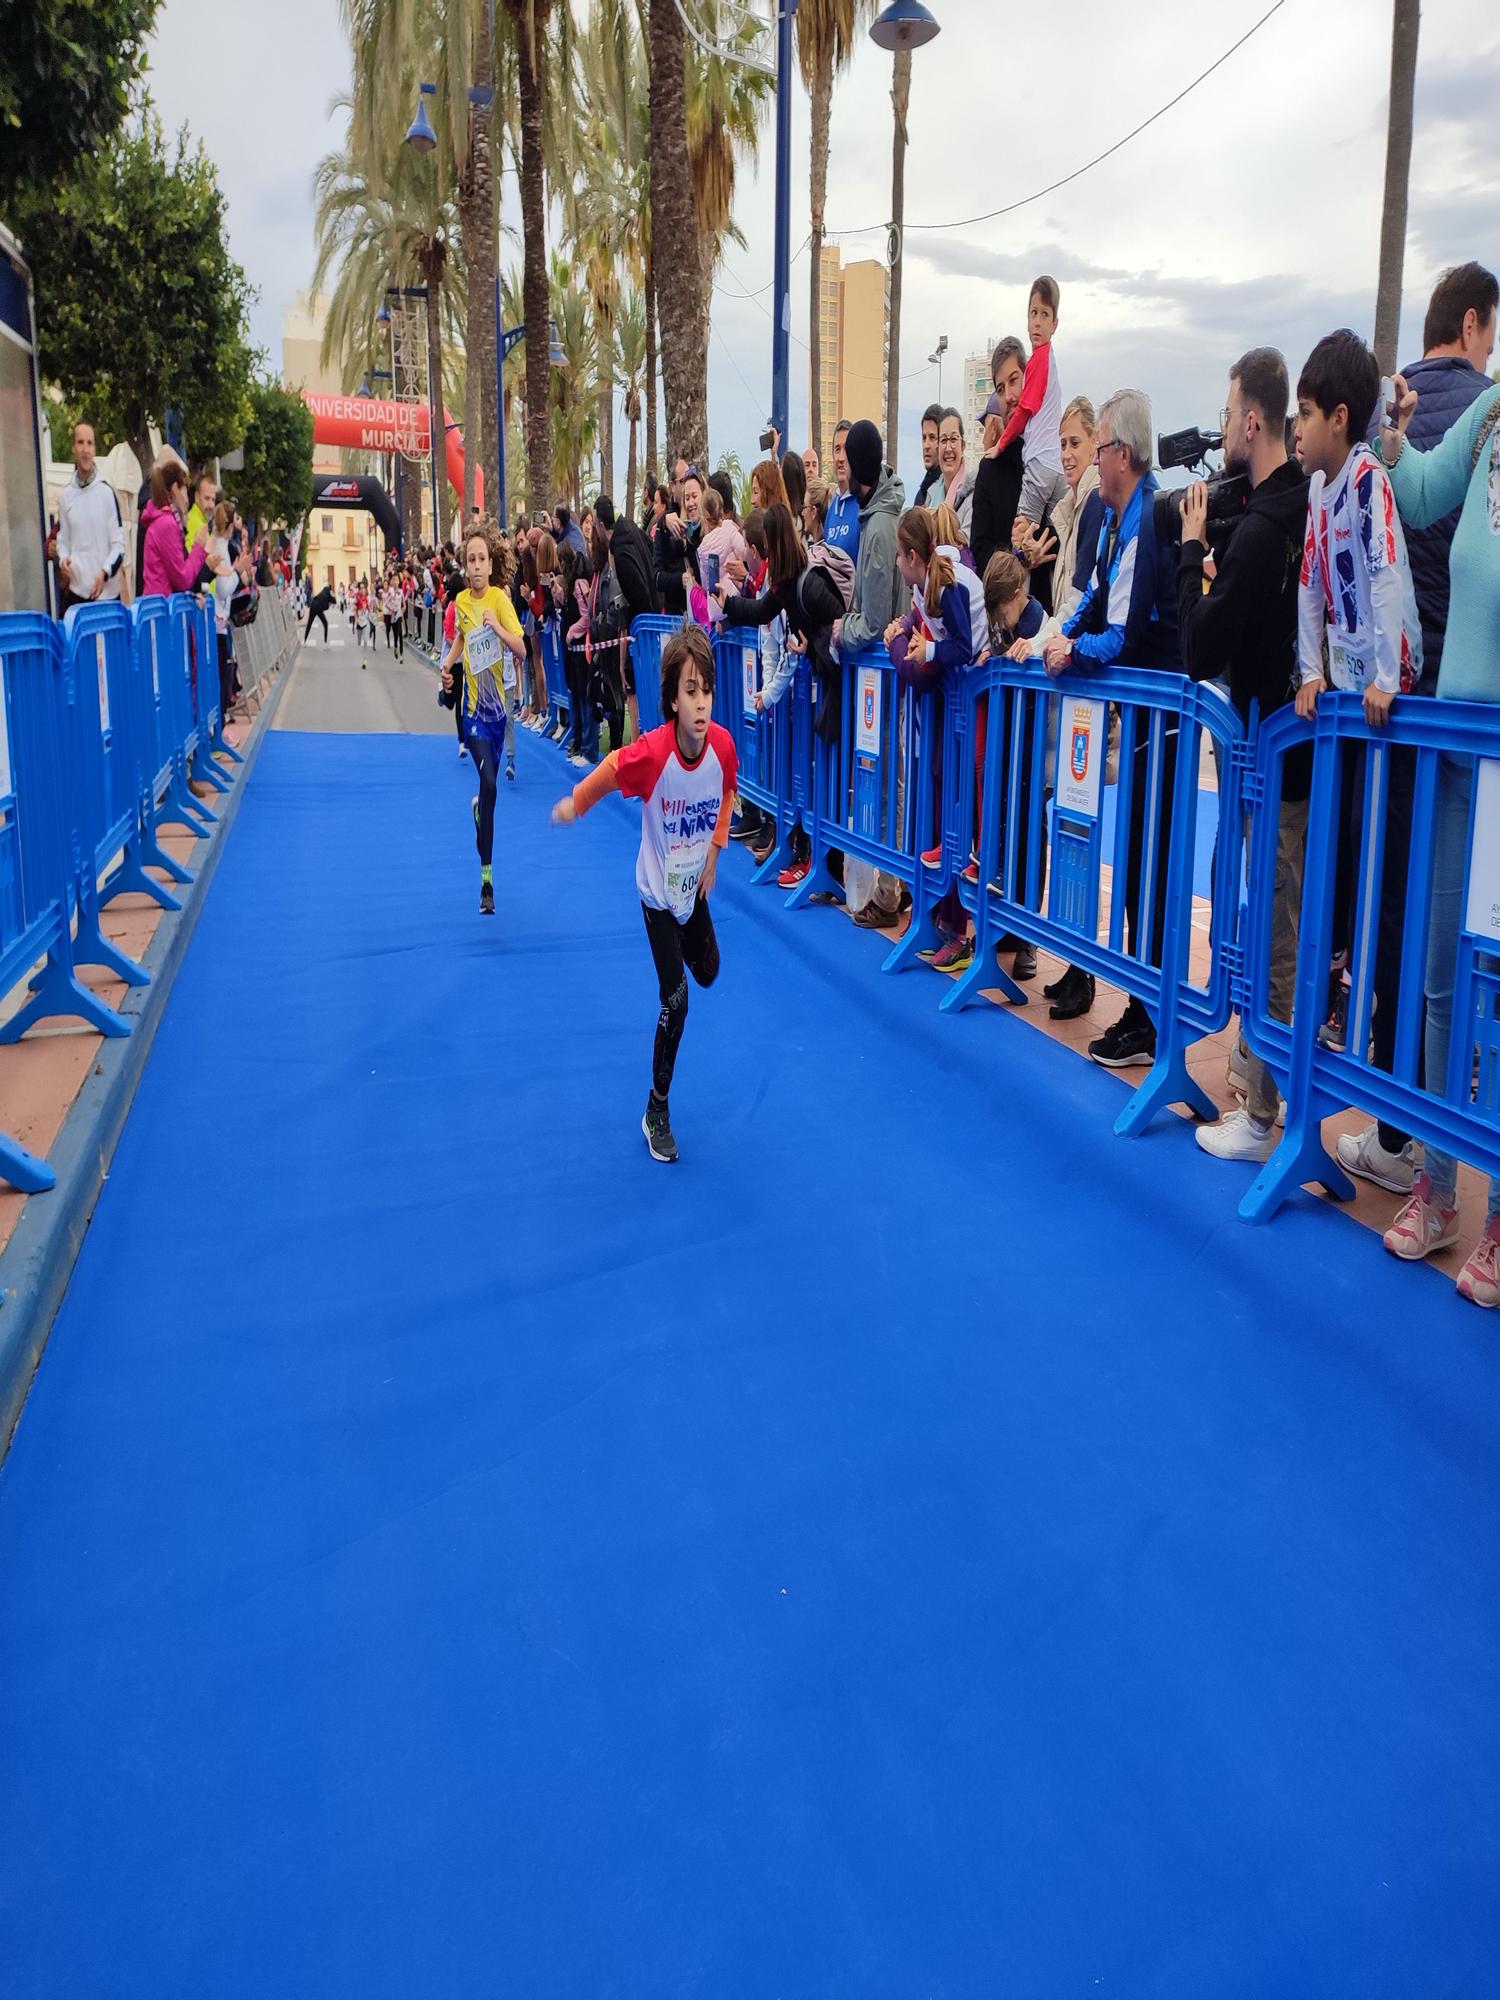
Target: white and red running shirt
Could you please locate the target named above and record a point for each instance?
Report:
(684, 808)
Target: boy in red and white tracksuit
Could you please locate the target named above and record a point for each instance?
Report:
(684, 774)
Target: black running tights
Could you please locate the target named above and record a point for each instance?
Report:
(677, 949)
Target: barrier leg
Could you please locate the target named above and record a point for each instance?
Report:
(964, 990)
(92, 947)
(1300, 1157)
(781, 852)
(130, 878)
(207, 771)
(222, 745)
(180, 808)
(60, 991)
(24, 1171)
(1167, 1082)
(920, 934)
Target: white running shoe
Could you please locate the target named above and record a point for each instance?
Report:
(1361, 1153)
(1236, 1137)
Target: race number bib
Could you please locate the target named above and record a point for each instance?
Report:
(484, 650)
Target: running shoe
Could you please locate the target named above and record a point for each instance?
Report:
(1073, 994)
(1479, 1280)
(510, 769)
(1361, 1153)
(1129, 1044)
(957, 955)
(790, 877)
(873, 918)
(463, 750)
(1334, 1031)
(657, 1126)
(932, 857)
(1237, 1137)
(486, 899)
(1023, 965)
(474, 808)
(971, 871)
(1422, 1228)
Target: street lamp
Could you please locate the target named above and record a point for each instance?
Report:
(903, 26)
(421, 137)
(504, 343)
(937, 355)
(419, 134)
(781, 326)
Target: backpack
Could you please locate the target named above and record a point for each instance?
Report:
(840, 569)
(244, 605)
(610, 620)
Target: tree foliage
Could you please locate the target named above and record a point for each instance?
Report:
(66, 68)
(140, 307)
(276, 484)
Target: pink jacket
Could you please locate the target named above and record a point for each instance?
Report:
(165, 566)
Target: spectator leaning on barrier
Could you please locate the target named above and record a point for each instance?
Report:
(879, 596)
(166, 565)
(1462, 471)
(999, 475)
(1457, 342)
(1242, 627)
(932, 473)
(90, 533)
(1128, 618)
(841, 524)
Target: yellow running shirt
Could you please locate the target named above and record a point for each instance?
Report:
(488, 666)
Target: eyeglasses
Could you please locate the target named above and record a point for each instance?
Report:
(1114, 444)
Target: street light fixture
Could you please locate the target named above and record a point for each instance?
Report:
(901, 27)
(420, 133)
(937, 355)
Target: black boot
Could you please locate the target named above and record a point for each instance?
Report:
(1073, 994)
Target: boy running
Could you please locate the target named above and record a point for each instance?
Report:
(485, 629)
(685, 774)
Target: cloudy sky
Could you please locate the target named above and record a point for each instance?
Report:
(1250, 213)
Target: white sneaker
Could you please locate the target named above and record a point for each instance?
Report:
(463, 750)
(579, 761)
(1235, 1137)
(1362, 1153)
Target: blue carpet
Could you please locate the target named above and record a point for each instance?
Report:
(921, 1546)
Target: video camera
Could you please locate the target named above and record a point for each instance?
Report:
(1228, 492)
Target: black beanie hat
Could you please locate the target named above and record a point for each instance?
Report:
(863, 451)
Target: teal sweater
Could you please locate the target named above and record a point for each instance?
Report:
(1429, 484)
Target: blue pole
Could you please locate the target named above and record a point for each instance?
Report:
(500, 511)
(782, 325)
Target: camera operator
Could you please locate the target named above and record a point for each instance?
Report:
(1242, 626)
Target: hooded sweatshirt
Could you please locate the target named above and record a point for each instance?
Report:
(166, 567)
(1446, 385)
(879, 593)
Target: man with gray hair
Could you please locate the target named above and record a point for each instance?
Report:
(1128, 618)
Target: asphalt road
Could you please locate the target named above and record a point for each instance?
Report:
(347, 690)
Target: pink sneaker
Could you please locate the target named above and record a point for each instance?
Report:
(1422, 1227)
(1479, 1280)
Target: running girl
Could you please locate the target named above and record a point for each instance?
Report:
(485, 629)
(685, 773)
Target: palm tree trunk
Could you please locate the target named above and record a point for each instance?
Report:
(534, 275)
(432, 275)
(632, 496)
(605, 335)
(900, 101)
(470, 229)
(684, 358)
(651, 460)
(822, 99)
(483, 355)
(1405, 22)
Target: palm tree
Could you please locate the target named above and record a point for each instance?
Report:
(377, 231)
(395, 44)
(529, 21)
(630, 365)
(1405, 22)
(575, 381)
(724, 102)
(674, 221)
(607, 205)
(827, 32)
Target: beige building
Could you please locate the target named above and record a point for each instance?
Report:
(853, 329)
(301, 367)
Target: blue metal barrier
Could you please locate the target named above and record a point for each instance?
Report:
(36, 877)
(1458, 1113)
(211, 692)
(171, 679)
(559, 702)
(152, 758)
(773, 745)
(646, 636)
(199, 673)
(1152, 854)
(99, 797)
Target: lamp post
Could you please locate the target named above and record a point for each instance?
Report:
(504, 343)
(903, 26)
(422, 139)
(781, 326)
(937, 355)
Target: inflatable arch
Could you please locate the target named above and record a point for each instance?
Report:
(369, 423)
(352, 489)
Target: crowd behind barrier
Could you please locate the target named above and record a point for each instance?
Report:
(900, 786)
(107, 720)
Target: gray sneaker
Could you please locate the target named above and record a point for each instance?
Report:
(1361, 1153)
